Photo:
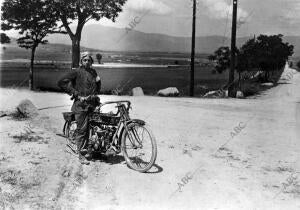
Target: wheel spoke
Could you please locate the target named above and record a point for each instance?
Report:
(138, 148)
(137, 136)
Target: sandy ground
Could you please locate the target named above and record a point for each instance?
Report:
(212, 154)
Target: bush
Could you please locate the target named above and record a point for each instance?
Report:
(250, 89)
(298, 64)
(267, 53)
(222, 58)
(200, 90)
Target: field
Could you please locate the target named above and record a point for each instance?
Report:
(62, 53)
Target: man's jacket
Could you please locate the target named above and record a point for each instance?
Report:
(80, 82)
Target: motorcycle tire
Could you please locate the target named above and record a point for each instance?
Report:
(135, 138)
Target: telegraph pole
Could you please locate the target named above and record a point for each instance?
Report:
(193, 50)
(231, 89)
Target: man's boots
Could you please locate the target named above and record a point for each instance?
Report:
(83, 160)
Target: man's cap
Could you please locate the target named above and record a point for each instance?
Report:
(86, 54)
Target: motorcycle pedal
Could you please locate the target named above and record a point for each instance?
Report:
(73, 148)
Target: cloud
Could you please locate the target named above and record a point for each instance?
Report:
(220, 9)
(151, 6)
(291, 13)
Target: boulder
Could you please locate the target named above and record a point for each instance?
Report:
(27, 109)
(137, 91)
(239, 94)
(268, 84)
(216, 94)
(170, 91)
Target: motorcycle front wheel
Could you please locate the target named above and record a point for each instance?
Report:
(139, 147)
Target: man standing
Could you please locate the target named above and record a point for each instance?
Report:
(80, 83)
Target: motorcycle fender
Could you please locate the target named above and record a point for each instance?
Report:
(141, 122)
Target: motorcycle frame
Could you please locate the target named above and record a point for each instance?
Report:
(124, 122)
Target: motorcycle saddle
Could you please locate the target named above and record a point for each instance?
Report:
(69, 116)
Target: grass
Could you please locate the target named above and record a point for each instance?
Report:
(10, 176)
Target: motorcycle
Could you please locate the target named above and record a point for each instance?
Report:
(131, 137)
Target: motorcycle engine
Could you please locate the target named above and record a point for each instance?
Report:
(102, 137)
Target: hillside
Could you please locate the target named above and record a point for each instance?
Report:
(97, 37)
(116, 39)
(51, 51)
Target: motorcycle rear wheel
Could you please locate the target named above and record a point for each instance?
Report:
(135, 143)
(69, 132)
(69, 129)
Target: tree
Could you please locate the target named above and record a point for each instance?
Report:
(267, 53)
(34, 21)
(222, 58)
(83, 11)
(99, 57)
(4, 38)
(247, 56)
(298, 64)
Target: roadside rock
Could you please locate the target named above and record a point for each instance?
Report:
(268, 84)
(239, 94)
(27, 109)
(216, 94)
(137, 91)
(3, 114)
(170, 91)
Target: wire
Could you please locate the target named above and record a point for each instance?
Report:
(225, 29)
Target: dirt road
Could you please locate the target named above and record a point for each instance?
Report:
(212, 154)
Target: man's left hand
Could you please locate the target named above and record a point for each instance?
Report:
(98, 79)
(82, 99)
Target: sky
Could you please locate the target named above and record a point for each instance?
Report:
(174, 17)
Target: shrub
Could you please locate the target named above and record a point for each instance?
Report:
(267, 53)
(99, 57)
(249, 89)
(222, 58)
(200, 90)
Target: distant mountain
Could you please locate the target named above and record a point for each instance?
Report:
(116, 39)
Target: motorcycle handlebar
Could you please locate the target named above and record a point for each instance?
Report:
(85, 98)
(118, 103)
(109, 102)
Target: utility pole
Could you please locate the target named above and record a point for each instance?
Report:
(193, 50)
(231, 89)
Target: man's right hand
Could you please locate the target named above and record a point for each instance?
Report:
(82, 98)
